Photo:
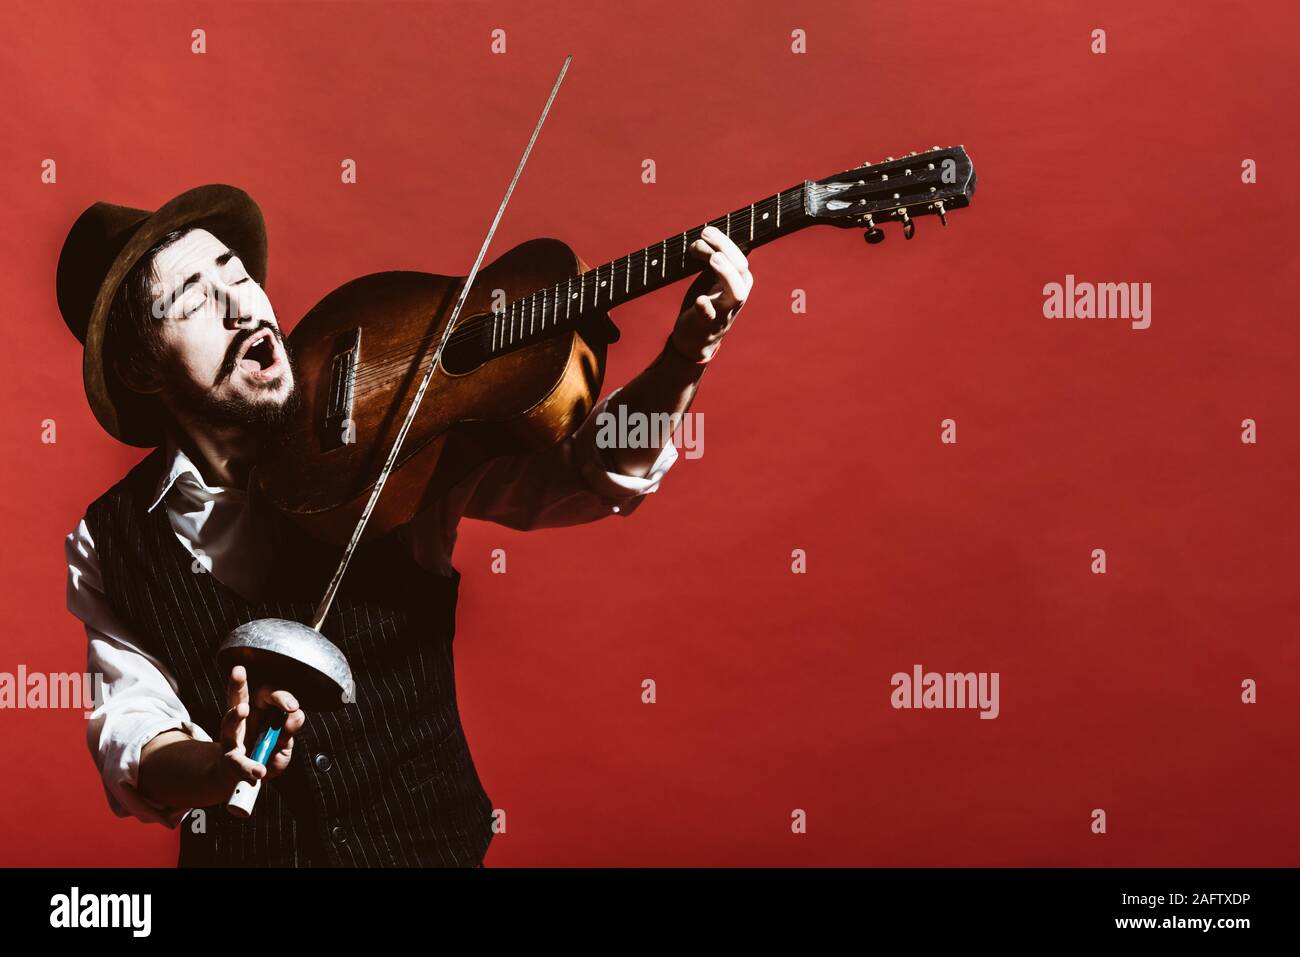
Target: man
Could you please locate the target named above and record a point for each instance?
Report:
(183, 352)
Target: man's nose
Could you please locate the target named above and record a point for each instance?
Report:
(239, 311)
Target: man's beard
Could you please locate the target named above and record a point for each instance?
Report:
(267, 421)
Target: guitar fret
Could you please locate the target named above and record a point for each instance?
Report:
(504, 334)
(533, 322)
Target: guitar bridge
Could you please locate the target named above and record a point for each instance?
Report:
(339, 429)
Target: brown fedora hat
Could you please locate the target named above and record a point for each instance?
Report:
(102, 246)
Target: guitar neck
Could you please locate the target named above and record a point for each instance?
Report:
(896, 190)
(644, 270)
(669, 260)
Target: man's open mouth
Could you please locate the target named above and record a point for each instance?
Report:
(260, 357)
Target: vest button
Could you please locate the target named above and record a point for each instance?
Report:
(340, 835)
(322, 762)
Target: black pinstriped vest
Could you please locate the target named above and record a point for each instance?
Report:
(387, 781)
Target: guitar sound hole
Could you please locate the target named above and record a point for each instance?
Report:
(469, 345)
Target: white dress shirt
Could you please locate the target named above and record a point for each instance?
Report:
(565, 485)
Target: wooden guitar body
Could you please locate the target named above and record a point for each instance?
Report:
(359, 355)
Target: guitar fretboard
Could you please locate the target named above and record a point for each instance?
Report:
(665, 262)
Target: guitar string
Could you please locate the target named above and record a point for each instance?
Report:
(378, 366)
(381, 365)
(474, 324)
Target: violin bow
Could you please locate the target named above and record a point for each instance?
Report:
(323, 608)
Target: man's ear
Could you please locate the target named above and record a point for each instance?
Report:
(148, 384)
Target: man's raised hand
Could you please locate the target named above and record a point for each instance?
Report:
(715, 298)
(244, 721)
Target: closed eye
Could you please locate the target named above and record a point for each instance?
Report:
(199, 304)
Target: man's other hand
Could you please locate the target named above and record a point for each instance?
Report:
(244, 721)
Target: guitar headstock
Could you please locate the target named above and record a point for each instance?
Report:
(933, 183)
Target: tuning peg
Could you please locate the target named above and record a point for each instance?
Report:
(909, 227)
(874, 235)
(943, 213)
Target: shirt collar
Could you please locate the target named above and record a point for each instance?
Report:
(179, 467)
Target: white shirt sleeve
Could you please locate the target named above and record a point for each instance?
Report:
(566, 484)
(139, 698)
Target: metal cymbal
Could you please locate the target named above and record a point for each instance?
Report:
(293, 656)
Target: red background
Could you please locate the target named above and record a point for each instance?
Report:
(1119, 691)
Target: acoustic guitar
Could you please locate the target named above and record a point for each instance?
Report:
(524, 365)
